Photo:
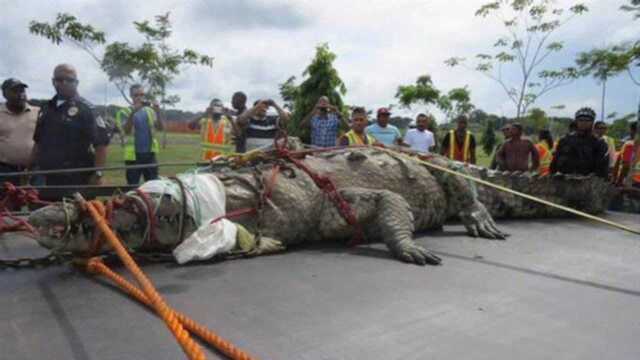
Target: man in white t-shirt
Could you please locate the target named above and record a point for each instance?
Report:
(420, 139)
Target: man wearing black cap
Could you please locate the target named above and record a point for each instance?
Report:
(17, 123)
(68, 134)
(581, 152)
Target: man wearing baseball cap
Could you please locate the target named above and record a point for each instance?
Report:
(384, 132)
(581, 152)
(17, 123)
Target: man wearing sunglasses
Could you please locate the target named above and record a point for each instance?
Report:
(69, 134)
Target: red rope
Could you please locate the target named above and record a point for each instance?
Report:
(16, 198)
(234, 214)
(268, 190)
(151, 217)
(325, 184)
(18, 225)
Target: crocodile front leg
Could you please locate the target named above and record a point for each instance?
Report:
(463, 202)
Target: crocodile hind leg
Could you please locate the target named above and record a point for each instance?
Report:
(384, 216)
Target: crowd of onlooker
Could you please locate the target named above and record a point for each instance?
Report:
(67, 133)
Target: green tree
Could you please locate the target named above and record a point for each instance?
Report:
(536, 120)
(632, 51)
(478, 116)
(619, 127)
(602, 64)
(289, 92)
(422, 92)
(524, 48)
(321, 79)
(153, 62)
(632, 7)
(489, 139)
(456, 102)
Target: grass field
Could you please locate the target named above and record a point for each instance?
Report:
(185, 148)
(180, 148)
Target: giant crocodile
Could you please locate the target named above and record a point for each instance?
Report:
(391, 194)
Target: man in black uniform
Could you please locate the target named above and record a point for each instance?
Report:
(581, 152)
(68, 134)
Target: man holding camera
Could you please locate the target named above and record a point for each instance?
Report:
(260, 128)
(325, 121)
(217, 131)
(141, 145)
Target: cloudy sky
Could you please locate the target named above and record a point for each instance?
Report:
(258, 44)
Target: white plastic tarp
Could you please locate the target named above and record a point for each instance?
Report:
(205, 202)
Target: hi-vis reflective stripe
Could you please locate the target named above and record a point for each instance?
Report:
(636, 173)
(213, 138)
(453, 146)
(355, 139)
(211, 135)
(220, 147)
(129, 148)
(545, 158)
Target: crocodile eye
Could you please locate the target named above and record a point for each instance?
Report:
(356, 156)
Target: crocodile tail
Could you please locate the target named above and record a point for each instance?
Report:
(589, 194)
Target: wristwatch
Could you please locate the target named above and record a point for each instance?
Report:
(99, 173)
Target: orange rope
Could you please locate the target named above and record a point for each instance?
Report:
(98, 236)
(190, 347)
(96, 266)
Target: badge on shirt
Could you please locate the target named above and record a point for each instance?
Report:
(73, 111)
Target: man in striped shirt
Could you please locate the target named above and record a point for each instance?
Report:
(259, 128)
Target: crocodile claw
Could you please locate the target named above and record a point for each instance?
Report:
(410, 252)
(266, 246)
(479, 223)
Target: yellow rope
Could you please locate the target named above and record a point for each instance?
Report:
(514, 192)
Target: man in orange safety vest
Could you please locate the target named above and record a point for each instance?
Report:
(217, 131)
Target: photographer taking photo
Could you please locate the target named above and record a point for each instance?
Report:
(141, 146)
(260, 128)
(217, 131)
(325, 121)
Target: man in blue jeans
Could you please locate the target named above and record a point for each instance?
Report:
(141, 145)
